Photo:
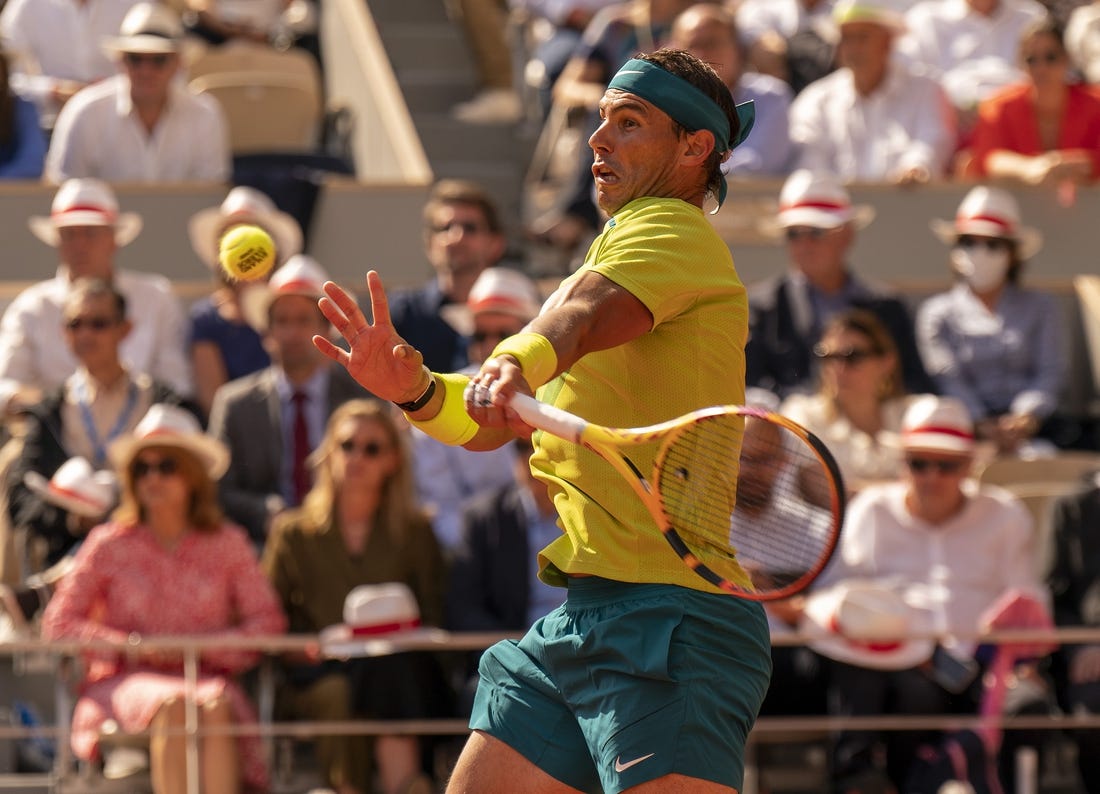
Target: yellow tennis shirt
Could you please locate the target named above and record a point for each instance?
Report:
(665, 252)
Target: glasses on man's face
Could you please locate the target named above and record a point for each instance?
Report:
(972, 241)
(157, 59)
(467, 227)
(92, 323)
(795, 233)
(371, 449)
(1047, 58)
(165, 467)
(923, 465)
(850, 356)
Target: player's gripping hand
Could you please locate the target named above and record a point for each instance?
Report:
(490, 391)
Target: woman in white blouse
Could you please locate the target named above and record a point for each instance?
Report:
(860, 399)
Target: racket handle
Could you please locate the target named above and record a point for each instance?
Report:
(546, 417)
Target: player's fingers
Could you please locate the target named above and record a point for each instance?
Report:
(337, 354)
(345, 303)
(379, 303)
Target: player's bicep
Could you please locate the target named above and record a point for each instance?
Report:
(592, 313)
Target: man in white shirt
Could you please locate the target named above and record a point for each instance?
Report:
(142, 125)
(55, 47)
(872, 120)
(87, 228)
(970, 46)
(963, 554)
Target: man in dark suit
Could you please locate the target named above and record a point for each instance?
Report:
(271, 420)
(787, 313)
(493, 583)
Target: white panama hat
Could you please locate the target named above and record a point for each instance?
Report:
(85, 202)
(867, 624)
(147, 28)
(990, 212)
(243, 205)
(76, 487)
(171, 426)
(818, 200)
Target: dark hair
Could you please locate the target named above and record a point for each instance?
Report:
(867, 324)
(462, 191)
(687, 67)
(84, 288)
(7, 102)
(1045, 25)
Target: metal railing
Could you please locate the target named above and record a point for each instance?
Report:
(767, 729)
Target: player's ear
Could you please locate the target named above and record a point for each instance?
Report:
(697, 147)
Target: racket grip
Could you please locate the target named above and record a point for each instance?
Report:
(546, 417)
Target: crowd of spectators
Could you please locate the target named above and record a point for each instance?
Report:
(242, 466)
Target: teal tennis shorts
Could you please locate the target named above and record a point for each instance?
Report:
(626, 683)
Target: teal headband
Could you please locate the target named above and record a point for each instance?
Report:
(684, 103)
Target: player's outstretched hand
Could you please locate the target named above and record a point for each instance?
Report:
(377, 357)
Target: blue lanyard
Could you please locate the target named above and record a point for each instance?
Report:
(100, 447)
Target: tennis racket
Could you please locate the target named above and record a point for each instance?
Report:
(749, 500)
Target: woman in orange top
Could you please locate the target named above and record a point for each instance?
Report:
(1045, 130)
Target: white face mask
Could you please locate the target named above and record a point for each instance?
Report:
(983, 268)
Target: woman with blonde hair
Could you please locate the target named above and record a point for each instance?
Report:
(860, 400)
(359, 525)
(167, 564)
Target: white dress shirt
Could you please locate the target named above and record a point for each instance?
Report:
(98, 134)
(956, 569)
(34, 354)
(906, 123)
(971, 54)
(785, 17)
(55, 40)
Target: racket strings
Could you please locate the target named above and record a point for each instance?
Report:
(754, 488)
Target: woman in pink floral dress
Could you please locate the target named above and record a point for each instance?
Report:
(168, 564)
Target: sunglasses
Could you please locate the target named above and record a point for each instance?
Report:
(158, 59)
(850, 356)
(165, 467)
(372, 449)
(992, 243)
(812, 232)
(92, 323)
(1048, 58)
(467, 227)
(921, 465)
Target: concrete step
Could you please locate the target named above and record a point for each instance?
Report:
(438, 47)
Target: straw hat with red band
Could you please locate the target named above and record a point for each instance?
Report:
(378, 611)
(173, 427)
(243, 205)
(817, 200)
(937, 424)
(85, 202)
(867, 624)
(990, 212)
(301, 275)
(77, 488)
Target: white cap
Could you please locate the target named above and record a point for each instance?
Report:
(819, 200)
(171, 426)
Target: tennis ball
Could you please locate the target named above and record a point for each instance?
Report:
(246, 252)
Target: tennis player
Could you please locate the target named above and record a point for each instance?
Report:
(647, 679)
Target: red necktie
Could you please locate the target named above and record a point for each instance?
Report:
(300, 451)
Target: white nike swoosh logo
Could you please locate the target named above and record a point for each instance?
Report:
(621, 767)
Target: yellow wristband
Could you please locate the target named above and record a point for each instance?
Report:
(535, 354)
(452, 425)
